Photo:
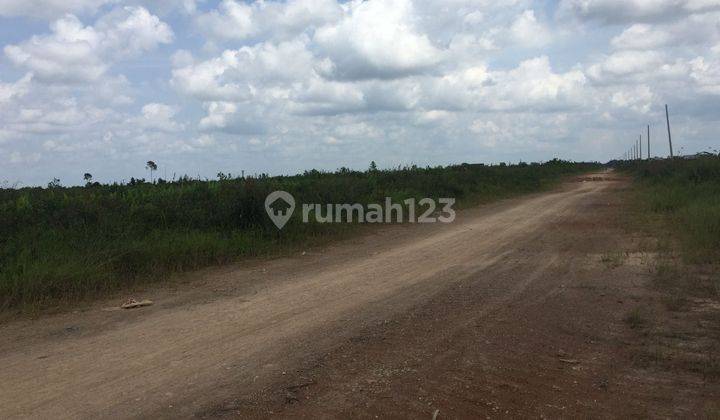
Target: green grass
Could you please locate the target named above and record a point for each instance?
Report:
(685, 193)
(677, 202)
(61, 243)
(637, 318)
(613, 259)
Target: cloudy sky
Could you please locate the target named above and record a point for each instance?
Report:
(202, 86)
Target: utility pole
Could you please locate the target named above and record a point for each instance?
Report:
(640, 146)
(648, 141)
(667, 118)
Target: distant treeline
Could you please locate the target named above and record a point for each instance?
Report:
(72, 242)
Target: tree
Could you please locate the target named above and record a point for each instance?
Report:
(152, 167)
(88, 178)
(373, 166)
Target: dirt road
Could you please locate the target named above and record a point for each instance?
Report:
(508, 311)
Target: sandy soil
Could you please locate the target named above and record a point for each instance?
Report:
(508, 311)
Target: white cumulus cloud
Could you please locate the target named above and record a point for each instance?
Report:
(50, 8)
(377, 39)
(73, 52)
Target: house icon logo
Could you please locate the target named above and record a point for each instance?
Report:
(280, 205)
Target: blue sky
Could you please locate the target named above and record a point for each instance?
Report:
(200, 87)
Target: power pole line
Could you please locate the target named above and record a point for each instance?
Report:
(667, 118)
(648, 137)
(640, 146)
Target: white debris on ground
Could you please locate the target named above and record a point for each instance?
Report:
(132, 303)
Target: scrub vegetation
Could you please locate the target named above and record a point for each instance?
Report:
(59, 243)
(676, 203)
(685, 194)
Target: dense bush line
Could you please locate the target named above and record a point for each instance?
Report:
(68, 243)
(687, 192)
